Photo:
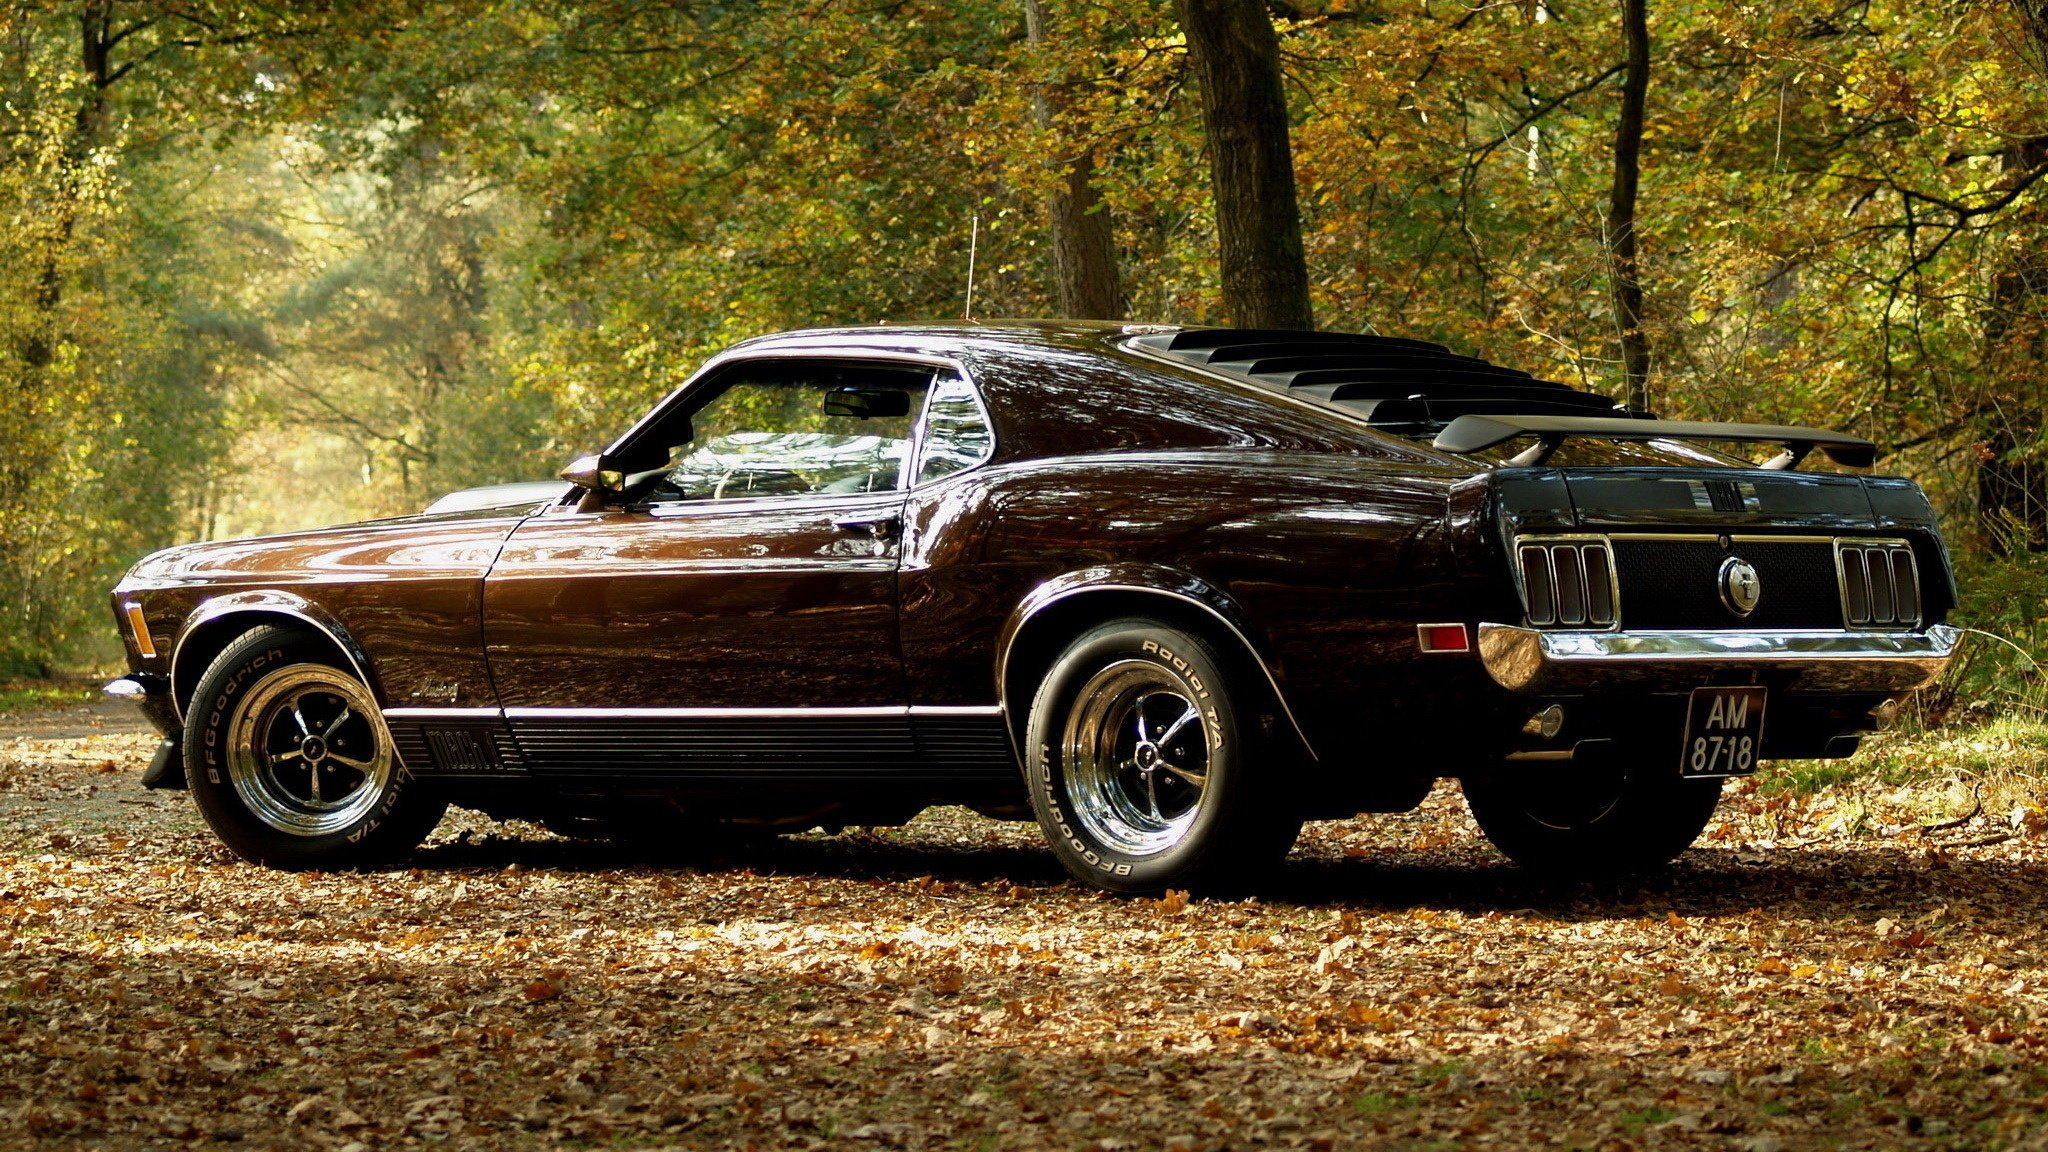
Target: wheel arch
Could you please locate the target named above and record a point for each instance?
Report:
(1062, 608)
(220, 621)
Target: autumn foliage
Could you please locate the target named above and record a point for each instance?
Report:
(265, 267)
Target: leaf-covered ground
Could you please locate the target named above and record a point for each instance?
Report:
(1825, 971)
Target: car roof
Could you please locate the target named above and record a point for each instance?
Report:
(1405, 387)
(940, 336)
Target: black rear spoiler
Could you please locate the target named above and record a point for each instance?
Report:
(1478, 433)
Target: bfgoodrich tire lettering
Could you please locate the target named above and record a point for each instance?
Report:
(1140, 773)
(290, 763)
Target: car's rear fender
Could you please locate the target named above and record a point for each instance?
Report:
(1058, 609)
(216, 622)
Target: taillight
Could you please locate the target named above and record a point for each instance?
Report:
(1880, 583)
(1443, 638)
(1568, 583)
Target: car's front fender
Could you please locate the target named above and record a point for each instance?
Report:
(214, 624)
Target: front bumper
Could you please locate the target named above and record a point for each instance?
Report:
(152, 693)
(1545, 662)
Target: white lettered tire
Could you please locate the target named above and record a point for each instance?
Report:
(1141, 768)
(289, 761)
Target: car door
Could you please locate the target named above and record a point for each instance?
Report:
(739, 612)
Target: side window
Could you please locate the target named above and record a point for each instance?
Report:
(956, 431)
(795, 428)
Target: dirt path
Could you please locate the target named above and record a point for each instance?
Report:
(102, 717)
(941, 986)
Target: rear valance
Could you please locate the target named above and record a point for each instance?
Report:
(1477, 433)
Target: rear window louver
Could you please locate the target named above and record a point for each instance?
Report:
(1408, 386)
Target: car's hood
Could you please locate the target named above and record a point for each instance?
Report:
(391, 548)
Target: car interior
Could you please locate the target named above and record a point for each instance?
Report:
(786, 428)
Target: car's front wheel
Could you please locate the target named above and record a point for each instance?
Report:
(290, 762)
(1594, 819)
(1142, 771)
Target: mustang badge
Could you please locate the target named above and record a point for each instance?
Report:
(1740, 587)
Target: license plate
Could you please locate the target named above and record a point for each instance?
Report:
(1724, 730)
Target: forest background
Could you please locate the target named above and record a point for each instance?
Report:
(271, 266)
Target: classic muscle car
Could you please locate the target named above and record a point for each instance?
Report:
(1169, 591)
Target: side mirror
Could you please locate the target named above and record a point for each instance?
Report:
(867, 403)
(595, 473)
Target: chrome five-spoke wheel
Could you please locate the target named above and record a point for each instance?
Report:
(308, 754)
(1138, 757)
(1141, 774)
(289, 760)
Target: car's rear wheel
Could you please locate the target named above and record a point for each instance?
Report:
(290, 762)
(1142, 771)
(1594, 819)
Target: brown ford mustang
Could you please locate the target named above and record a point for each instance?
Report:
(1171, 591)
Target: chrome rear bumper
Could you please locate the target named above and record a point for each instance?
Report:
(1531, 660)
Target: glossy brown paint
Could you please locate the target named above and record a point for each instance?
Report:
(1329, 561)
(1320, 541)
(741, 603)
(1323, 542)
(407, 592)
(1119, 484)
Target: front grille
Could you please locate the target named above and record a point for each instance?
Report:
(1880, 584)
(1677, 583)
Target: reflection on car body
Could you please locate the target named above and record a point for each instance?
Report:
(1168, 591)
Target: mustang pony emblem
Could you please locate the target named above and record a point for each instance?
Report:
(1740, 587)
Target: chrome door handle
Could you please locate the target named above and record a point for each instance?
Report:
(880, 525)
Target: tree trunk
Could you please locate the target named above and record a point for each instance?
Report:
(95, 56)
(1624, 272)
(2012, 479)
(1083, 233)
(1235, 58)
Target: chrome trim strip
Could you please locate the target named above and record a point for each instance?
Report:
(1003, 663)
(443, 713)
(1525, 658)
(571, 713)
(820, 502)
(1714, 537)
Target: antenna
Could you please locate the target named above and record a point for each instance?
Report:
(973, 241)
